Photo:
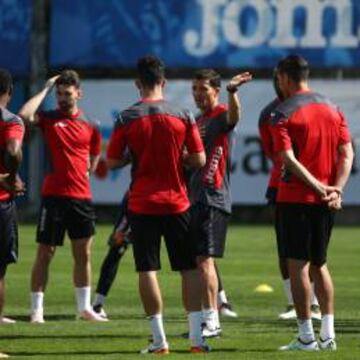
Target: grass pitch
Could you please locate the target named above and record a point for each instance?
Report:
(256, 334)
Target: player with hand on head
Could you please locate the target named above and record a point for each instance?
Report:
(73, 142)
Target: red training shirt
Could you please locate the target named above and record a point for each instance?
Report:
(314, 128)
(11, 127)
(156, 133)
(71, 140)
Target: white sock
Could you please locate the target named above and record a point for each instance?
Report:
(327, 327)
(99, 299)
(209, 317)
(288, 293)
(306, 330)
(157, 329)
(37, 301)
(83, 296)
(195, 319)
(222, 299)
(314, 300)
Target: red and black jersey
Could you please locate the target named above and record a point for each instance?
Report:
(11, 127)
(267, 141)
(211, 184)
(314, 128)
(156, 133)
(71, 141)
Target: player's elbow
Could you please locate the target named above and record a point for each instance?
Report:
(197, 160)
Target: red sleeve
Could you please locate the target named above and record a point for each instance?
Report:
(267, 142)
(344, 133)
(193, 140)
(14, 130)
(282, 141)
(95, 142)
(117, 144)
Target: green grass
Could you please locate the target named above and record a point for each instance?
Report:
(250, 260)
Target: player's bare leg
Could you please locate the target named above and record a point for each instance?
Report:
(209, 290)
(39, 279)
(3, 319)
(151, 299)
(324, 289)
(81, 250)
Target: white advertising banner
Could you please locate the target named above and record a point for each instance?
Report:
(104, 98)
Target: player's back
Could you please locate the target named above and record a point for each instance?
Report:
(156, 133)
(316, 129)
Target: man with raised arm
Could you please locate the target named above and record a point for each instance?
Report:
(73, 147)
(210, 186)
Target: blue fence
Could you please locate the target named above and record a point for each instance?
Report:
(15, 30)
(197, 33)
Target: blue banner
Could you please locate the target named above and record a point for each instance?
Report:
(15, 31)
(198, 33)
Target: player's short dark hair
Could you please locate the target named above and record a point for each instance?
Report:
(295, 67)
(150, 71)
(211, 75)
(69, 78)
(6, 83)
(276, 84)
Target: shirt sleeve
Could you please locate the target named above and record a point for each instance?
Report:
(95, 142)
(14, 130)
(193, 140)
(282, 140)
(117, 144)
(267, 141)
(344, 133)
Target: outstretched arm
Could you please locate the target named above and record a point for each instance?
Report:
(233, 99)
(28, 110)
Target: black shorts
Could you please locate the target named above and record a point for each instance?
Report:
(281, 247)
(146, 233)
(306, 231)
(271, 194)
(208, 230)
(60, 214)
(8, 233)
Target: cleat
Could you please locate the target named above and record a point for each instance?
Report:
(328, 344)
(90, 315)
(227, 311)
(6, 320)
(315, 312)
(4, 356)
(289, 314)
(298, 344)
(162, 349)
(207, 332)
(98, 309)
(204, 348)
(37, 317)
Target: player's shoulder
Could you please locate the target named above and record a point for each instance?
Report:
(10, 118)
(90, 120)
(290, 106)
(265, 114)
(141, 109)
